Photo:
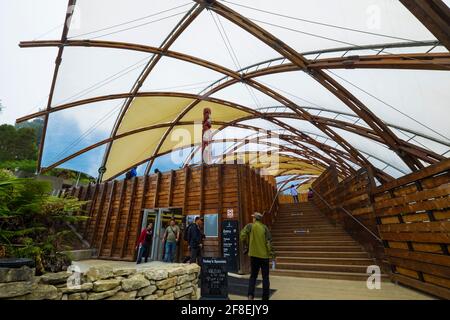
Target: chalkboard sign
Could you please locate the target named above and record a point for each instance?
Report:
(230, 244)
(214, 278)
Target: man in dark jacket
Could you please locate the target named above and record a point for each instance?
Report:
(195, 238)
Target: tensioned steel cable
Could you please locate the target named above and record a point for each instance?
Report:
(344, 42)
(130, 21)
(233, 55)
(117, 75)
(321, 23)
(389, 105)
(249, 89)
(99, 122)
(106, 81)
(409, 117)
(140, 25)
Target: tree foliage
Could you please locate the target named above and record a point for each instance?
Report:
(17, 144)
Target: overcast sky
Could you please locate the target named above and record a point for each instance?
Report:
(26, 73)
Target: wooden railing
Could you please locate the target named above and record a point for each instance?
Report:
(411, 215)
(348, 204)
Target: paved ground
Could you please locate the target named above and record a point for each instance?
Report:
(290, 288)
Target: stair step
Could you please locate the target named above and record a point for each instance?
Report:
(322, 267)
(300, 221)
(309, 236)
(291, 233)
(336, 261)
(304, 228)
(324, 275)
(325, 250)
(315, 242)
(319, 248)
(325, 254)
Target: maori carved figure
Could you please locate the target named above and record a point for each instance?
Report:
(206, 137)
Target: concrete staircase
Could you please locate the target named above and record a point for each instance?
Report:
(308, 245)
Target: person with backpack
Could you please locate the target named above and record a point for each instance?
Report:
(257, 238)
(170, 241)
(194, 236)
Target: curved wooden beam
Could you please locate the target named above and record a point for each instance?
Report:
(320, 76)
(69, 13)
(434, 15)
(187, 19)
(377, 60)
(131, 47)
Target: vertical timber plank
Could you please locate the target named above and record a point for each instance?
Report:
(99, 212)
(134, 188)
(119, 210)
(108, 217)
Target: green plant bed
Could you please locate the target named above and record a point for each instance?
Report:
(34, 224)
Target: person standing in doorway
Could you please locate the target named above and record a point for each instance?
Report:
(195, 239)
(294, 193)
(170, 240)
(144, 243)
(257, 238)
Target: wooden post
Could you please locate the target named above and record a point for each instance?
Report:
(250, 190)
(171, 182)
(220, 204)
(117, 225)
(130, 213)
(202, 189)
(82, 225)
(91, 210)
(185, 196)
(108, 217)
(158, 185)
(242, 262)
(99, 212)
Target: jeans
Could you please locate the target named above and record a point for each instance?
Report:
(196, 255)
(295, 199)
(143, 252)
(170, 249)
(256, 264)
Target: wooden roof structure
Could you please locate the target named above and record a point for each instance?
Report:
(312, 137)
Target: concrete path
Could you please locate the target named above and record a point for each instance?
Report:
(290, 288)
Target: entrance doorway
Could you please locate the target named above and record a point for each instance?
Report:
(160, 218)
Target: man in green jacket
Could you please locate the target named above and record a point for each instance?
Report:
(256, 236)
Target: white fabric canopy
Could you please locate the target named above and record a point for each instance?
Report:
(132, 48)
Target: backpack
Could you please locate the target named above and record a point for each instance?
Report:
(186, 233)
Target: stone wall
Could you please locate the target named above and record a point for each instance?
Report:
(168, 282)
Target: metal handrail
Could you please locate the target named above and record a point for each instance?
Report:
(273, 202)
(349, 214)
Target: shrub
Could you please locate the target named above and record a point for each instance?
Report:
(34, 224)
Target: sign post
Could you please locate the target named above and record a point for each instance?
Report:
(230, 244)
(214, 278)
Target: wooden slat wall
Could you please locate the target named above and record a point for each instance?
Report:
(414, 217)
(411, 215)
(353, 194)
(116, 208)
